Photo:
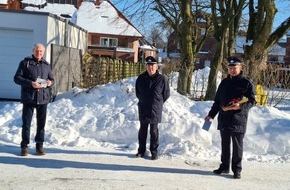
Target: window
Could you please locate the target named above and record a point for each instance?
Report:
(202, 31)
(109, 42)
(197, 61)
(281, 59)
(207, 63)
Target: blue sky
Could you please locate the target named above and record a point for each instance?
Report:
(283, 7)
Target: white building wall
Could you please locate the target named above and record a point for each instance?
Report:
(77, 38)
(37, 27)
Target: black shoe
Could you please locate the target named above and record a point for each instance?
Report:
(40, 151)
(24, 151)
(220, 171)
(139, 155)
(237, 175)
(154, 157)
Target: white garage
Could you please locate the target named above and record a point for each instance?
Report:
(20, 30)
(14, 45)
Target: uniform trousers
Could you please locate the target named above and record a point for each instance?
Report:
(237, 139)
(154, 137)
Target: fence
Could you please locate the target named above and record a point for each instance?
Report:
(101, 70)
(66, 68)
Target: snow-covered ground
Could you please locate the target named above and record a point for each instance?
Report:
(105, 168)
(91, 139)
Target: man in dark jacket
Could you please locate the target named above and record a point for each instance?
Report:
(35, 77)
(233, 100)
(152, 90)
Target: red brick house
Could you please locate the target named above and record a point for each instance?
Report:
(10, 4)
(110, 33)
(278, 54)
(205, 55)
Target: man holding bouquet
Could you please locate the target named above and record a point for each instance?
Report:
(233, 100)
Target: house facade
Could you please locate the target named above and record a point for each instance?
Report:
(111, 34)
(113, 46)
(204, 56)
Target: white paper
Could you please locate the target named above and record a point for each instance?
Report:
(42, 82)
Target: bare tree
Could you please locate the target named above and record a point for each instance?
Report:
(226, 17)
(183, 17)
(156, 37)
(260, 37)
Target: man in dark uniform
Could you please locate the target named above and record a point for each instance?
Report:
(233, 100)
(152, 90)
(35, 77)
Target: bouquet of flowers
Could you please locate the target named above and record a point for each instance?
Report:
(235, 101)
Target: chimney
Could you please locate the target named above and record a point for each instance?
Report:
(98, 2)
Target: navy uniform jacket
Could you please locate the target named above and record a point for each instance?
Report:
(28, 71)
(233, 88)
(152, 92)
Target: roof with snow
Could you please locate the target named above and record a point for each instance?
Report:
(275, 50)
(104, 19)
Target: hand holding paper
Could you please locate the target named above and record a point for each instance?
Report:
(42, 82)
(206, 125)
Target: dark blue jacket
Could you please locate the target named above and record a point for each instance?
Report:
(152, 92)
(28, 71)
(233, 88)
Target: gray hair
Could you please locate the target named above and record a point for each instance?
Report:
(38, 45)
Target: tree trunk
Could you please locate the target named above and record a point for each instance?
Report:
(260, 27)
(255, 60)
(215, 65)
(187, 63)
(226, 17)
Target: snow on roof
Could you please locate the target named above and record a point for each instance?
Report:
(4, 2)
(34, 2)
(148, 47)
(56, 9)
(102, 19)
(275, 50)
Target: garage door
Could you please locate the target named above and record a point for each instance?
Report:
(14, 46)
